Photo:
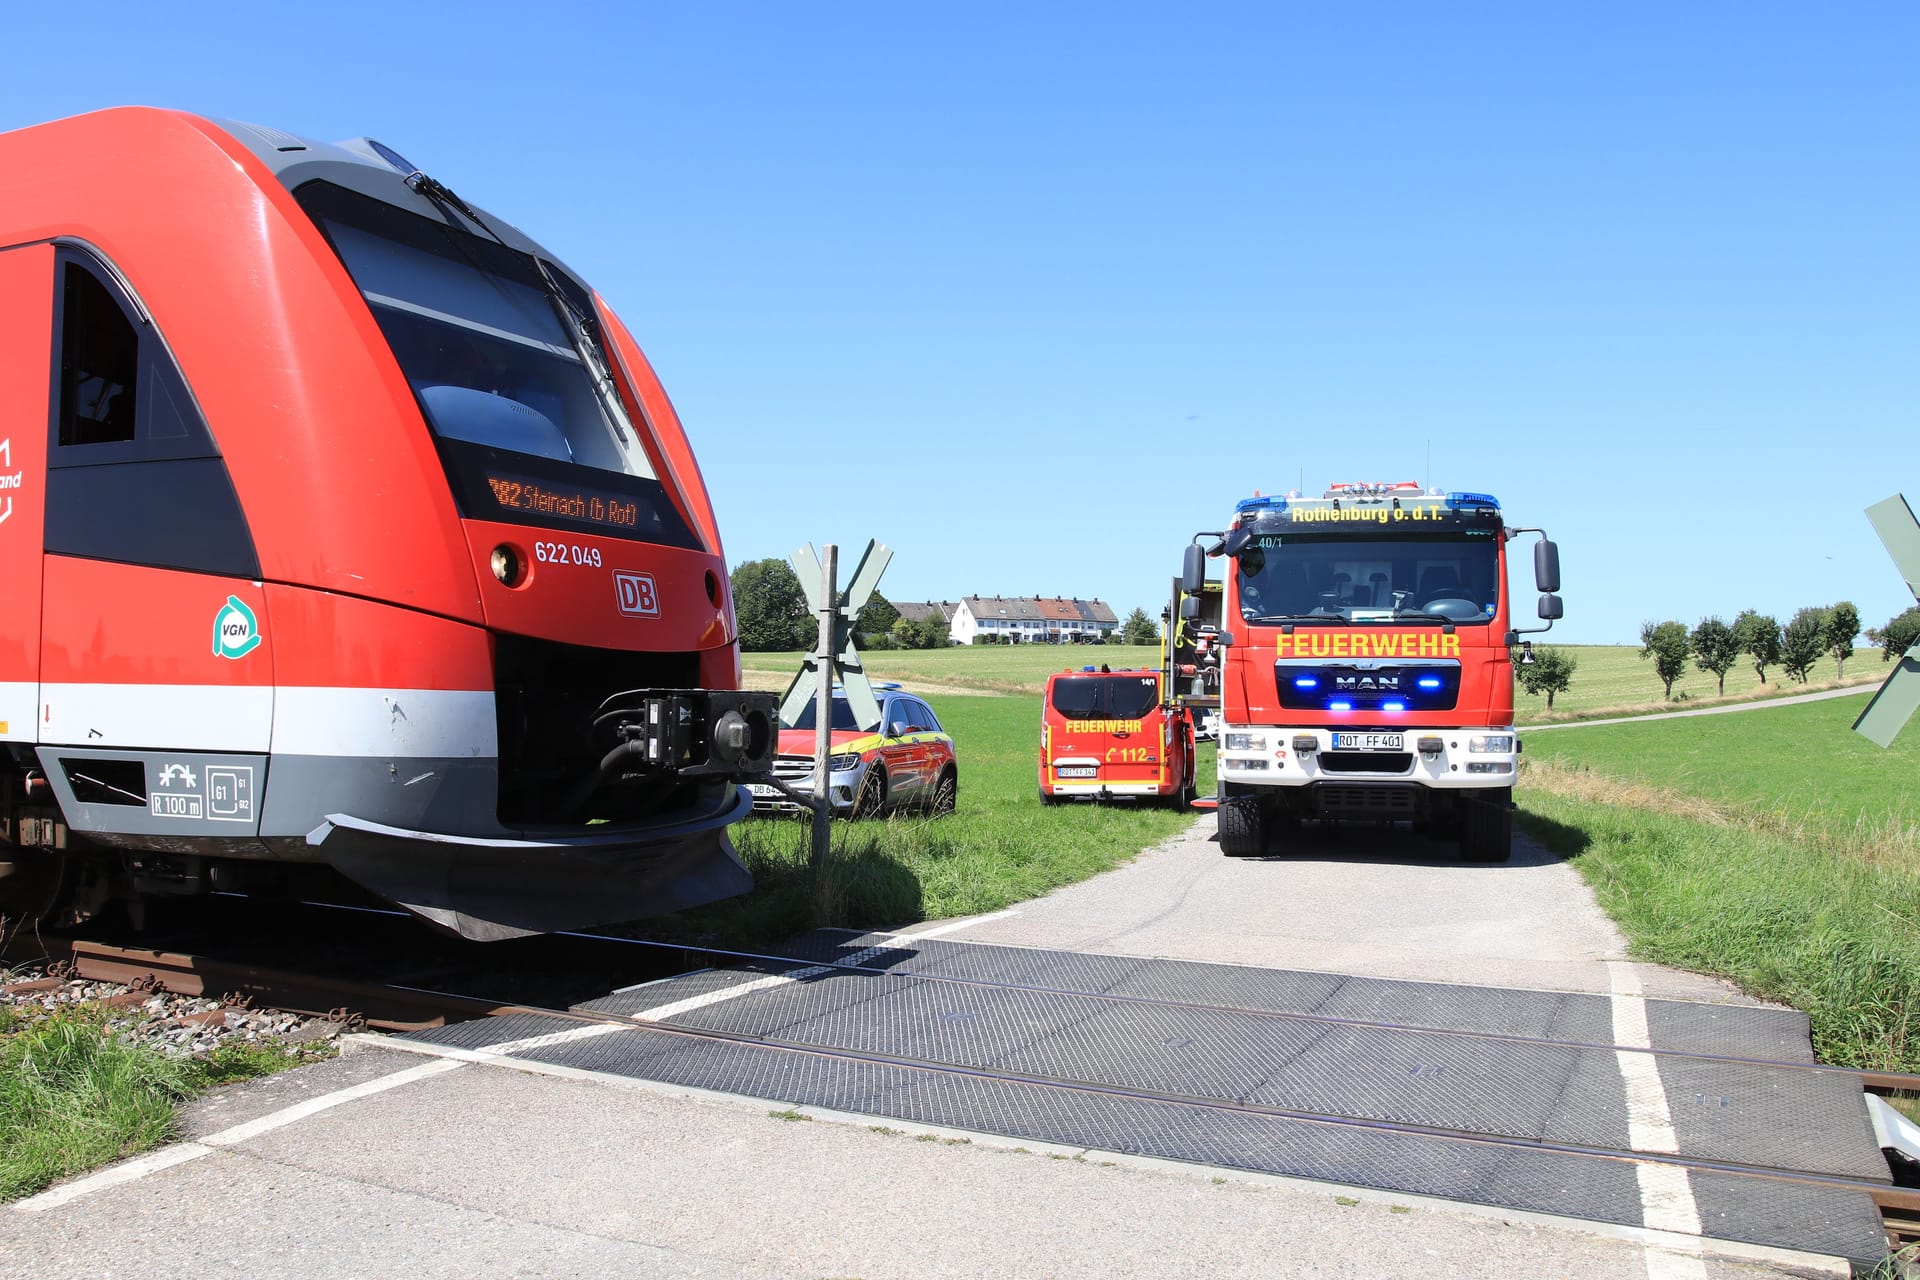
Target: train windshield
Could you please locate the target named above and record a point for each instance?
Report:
(1406, 581)
(504, 357)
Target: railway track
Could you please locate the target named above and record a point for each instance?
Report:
(404, 1007)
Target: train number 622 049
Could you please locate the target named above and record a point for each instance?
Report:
(566, 553)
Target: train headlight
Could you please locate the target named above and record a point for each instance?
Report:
(506, 565)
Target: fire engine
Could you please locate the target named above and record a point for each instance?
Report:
(344, 527)
(1367, 669)
(1113, 734)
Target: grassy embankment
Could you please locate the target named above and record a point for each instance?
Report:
(75, 1095)
(1772, 847)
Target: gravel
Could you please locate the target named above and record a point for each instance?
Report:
(179, 1026)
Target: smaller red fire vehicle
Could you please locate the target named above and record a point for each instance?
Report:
(1107, 734)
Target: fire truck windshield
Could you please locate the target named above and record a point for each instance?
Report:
(1341, 579)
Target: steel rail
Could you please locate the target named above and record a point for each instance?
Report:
(380, 1005)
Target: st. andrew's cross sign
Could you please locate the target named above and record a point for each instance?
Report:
(1899, 695)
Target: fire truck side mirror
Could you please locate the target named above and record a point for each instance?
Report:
(1223, 640)
(1190, 607)
(1193, 571)
(1546, 568)
(1550, 607)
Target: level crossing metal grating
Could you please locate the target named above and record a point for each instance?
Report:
(1196, 1063)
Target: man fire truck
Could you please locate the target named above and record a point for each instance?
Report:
(1366, 668)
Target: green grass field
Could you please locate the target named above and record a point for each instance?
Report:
(1610, 680)
(1773, 847)
(1615, 680)
(999, 847)
(1798, 763)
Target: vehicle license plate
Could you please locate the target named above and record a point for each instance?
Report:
(762, 789)
(1369, 742)
(1077, 771)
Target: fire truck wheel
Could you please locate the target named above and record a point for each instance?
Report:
(1486, 826)
(1242, 831)
(1049, 799)
(33, 886)
(873, 794)
(946, 792)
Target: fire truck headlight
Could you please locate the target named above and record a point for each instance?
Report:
(1490, 742)
(843, 763)
(1246, 742)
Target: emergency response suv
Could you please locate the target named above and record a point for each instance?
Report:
(909, 761)
(1108, 734)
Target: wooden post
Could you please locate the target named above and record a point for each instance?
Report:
(823, 706)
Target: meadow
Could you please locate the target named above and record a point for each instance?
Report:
(1773, 847)
(1611, 680)
(1000, 845)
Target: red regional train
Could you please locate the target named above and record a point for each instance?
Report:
(344, 527)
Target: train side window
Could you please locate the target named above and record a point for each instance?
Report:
(99, 362)
(133, 475)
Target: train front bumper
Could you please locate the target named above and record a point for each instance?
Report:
(488, 888)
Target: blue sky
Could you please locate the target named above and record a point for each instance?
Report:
(1032, 293)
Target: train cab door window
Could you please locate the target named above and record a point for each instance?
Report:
(99, 362)
(133, 474)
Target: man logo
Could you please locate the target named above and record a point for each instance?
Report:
(636, 594)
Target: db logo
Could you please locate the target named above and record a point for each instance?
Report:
(636, 594)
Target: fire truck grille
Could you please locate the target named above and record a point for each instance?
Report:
(1367, 802)
(1366, 762)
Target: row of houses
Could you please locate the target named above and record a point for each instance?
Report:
(1017, 619)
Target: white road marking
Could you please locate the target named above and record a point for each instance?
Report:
(660, 1013)
(130, 1170)
(954, 926)
(1666, 1195)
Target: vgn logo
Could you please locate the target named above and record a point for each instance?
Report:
(236, 633)
(636, 594)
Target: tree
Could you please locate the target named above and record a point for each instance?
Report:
(1802, 643)
(1667, 644)
(771, 608)
(1714, 649)
(922, 633)
(876, 617)
(1139, 629)
(1550, 672)
(1758, 636)
(1843, 624)
(1898, 636)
